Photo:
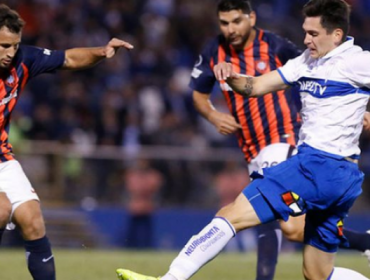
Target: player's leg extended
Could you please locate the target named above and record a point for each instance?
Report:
(40, 258)
(5, 212)
(204, 246)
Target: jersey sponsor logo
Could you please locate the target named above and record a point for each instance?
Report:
(205, 241)
(10, 97)
(312, 87)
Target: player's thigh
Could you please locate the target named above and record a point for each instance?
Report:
(317, 264)
(293, 229)
(240, 213)
(29, 218)
(15, 184)
(5, 209)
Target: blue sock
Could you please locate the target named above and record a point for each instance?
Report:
(40, 259)
(269, 241)
(357, 240)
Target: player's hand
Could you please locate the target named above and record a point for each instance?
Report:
(367, 122)
(114, 44)
(225, 123)
(224, 71)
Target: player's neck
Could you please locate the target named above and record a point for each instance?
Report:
(249, 41)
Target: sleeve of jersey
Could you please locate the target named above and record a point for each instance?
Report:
(202, 77)
(290, 72)
(39, 60)
(358, 69)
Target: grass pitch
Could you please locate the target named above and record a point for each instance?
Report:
(89, 264)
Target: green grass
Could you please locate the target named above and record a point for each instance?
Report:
(100, 265)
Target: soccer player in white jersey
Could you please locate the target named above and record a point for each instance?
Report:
(323, 179)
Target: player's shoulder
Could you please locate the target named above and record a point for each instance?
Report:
(278, 44)
(212, 46)
(27, 52)
(271, 37)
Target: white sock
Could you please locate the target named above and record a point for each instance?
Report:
(200, 249)
(341, 273)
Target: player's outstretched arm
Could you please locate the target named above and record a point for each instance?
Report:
(79, 58)
(247, 85)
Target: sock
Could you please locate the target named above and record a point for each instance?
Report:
(269, 243)
(357, 240)
(40, 259)
(200, 249)
(340, 273)
(2, 230)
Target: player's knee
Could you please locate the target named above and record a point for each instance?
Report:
(294, 235)
(33, 229)
(240, 214)
(293, 231)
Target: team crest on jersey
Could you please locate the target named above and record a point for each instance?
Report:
(261, 65)
(11, 80)
(294, 202)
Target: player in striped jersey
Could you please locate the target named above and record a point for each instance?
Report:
(18, 64)
(266, 127)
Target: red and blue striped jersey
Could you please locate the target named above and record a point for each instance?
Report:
(28, 63)
(272, 118)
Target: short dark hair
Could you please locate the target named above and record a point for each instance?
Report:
(334, 14)
(10, 19)
(229, 5)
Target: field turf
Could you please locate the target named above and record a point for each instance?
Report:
(86, 264)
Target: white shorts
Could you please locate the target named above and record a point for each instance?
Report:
(271, 155)
(15, 184)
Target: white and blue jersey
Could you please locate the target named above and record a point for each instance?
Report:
(319, 181)
(334, 90)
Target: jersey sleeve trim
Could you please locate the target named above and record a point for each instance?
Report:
(283, 77)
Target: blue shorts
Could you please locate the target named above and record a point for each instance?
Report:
(321, 185)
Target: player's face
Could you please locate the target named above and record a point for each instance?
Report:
(236, 27)
(9, 44)
(317, 39)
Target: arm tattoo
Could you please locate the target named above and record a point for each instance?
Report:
(248, 87)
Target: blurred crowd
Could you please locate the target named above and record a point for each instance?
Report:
(141, 97)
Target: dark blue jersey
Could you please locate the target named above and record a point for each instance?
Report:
(28, 63)
(272, 118)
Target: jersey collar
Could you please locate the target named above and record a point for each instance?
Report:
(341, 48)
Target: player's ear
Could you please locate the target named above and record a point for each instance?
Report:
(338, 36)
(253, 18)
